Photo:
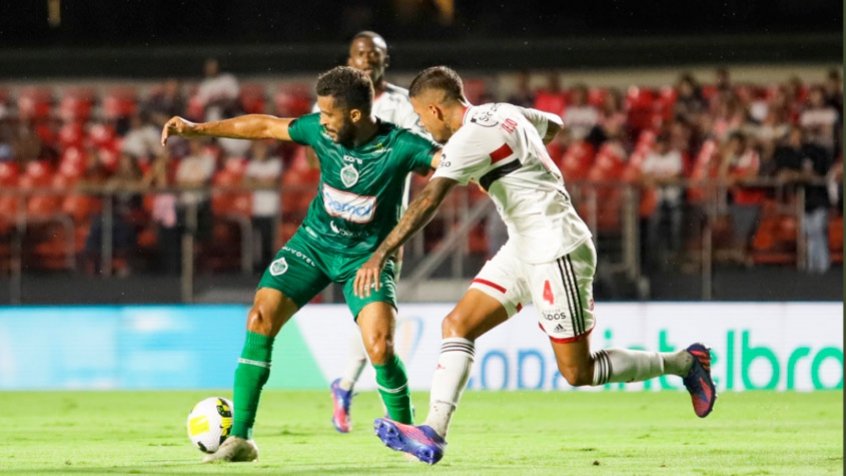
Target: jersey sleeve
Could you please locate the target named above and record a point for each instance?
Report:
(465, 157)
(306, 130)
(421, 151)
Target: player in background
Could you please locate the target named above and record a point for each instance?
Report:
(549, 259)
(368, 52)
(363, 163)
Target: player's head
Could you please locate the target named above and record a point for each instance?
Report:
(344, 97)
(369, 53)
(436, 93)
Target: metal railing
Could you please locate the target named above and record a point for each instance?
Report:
(613, 211)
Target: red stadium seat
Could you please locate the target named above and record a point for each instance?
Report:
(577, 160)
(835, 238)
(120, 102)
(35, 103)
(76, 105)
(253, 98)
(292, 100)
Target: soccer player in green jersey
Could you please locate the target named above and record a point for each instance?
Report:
(363, 163)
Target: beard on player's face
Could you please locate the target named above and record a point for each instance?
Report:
(345, 134)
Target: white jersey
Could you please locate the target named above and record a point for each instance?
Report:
(501, 150)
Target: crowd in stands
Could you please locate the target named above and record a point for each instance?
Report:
(55, 149)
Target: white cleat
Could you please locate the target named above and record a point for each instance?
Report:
(234, 450)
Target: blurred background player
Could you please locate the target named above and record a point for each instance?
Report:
(364, 163)
(549, 259)
(368, 52)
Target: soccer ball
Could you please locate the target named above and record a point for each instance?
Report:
(209, 423)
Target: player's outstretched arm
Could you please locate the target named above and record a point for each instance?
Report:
(250, 126)
(419, 213)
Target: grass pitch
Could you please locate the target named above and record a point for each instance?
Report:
(576, 433)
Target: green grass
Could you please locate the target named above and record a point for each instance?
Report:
(520, 433)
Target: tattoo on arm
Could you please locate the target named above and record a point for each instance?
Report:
(419, 213)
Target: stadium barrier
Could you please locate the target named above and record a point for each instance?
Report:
(50, 229)
(756, 346)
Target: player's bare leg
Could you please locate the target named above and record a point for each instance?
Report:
(580, 367)
(473, 316)
(377, 321)
(271, 309)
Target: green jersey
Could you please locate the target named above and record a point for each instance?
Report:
(361, 189)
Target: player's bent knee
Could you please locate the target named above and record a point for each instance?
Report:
(453, 325)
(259, 321)
(380, 350)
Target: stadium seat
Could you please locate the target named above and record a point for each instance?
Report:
(835, 238)
(253, 98)
(76, 104)
(292, 100)
(640, 109)
(774, 240)
(577, 160)
(35, 104)
(72, 134)
(119, 102)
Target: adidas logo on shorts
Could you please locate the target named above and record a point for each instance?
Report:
(558, 328)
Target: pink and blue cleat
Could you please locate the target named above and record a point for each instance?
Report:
(422, 442)
(698, 380)
(341, 400)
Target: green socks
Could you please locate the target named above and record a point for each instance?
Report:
(250, 376)
(393, 387)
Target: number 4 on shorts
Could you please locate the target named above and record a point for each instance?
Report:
(547, 293)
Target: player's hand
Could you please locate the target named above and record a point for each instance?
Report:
(367, 277)
(176, 126)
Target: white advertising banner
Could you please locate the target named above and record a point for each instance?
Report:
(778, 346)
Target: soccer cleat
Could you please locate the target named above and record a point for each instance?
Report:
(234, 450)
(341, 400)
(698, 380)
(422, 442)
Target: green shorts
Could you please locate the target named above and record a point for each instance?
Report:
(301, 270)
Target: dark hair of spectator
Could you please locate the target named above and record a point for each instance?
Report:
(350, 88)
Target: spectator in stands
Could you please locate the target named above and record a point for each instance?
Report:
(722, 80)
(579, 116)
(819, 119)
(523, 94)
(264, 170)
(690, 104)
(142, 139)
(741, 163)
(833, 87)
(166, 102)
(770, 132)
(164, 213)
(218, 92)
(729, 116)
(661, 169)
(611, 119)
(805, 162)
(193, 176)
(123, 188)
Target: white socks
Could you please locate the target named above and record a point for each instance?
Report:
(356, 361)
(449, 381)
(622, 365)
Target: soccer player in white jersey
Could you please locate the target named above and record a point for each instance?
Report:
(549, 259)
(369, 53)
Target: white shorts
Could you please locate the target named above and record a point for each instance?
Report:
(561, 290)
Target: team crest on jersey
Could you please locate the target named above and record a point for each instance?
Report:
(278, 267)
(349, 175)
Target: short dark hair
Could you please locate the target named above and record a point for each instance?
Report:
(440, 78)
(350, 87)
(374, 37)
